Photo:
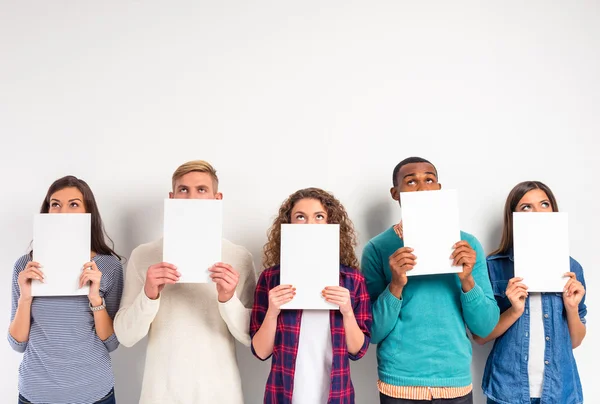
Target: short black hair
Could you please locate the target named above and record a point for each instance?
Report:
(409, 160)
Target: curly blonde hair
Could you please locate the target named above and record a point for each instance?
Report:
(336, 214)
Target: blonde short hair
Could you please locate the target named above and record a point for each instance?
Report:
(200, 166)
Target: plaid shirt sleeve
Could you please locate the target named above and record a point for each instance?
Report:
(362, 313)
(259, 308)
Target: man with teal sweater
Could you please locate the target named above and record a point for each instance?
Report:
(424, 352)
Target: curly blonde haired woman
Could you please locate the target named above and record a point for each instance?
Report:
(311, 349)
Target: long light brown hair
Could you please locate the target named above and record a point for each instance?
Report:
(515, 195)
(336, 214)
(99, 236)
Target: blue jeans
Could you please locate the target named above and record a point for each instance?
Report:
(107, 399)
(533, 401)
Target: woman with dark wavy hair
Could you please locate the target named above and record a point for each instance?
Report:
(66, 340)
(311, 348)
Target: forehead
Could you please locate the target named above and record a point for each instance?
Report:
(67, 193)
(417, 169)
(307, 205)
(193, 179)
(535, 195)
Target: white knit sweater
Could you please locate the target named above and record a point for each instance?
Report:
(190, 357)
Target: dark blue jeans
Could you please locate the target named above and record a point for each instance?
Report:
(533, 401)
(107, 399)
(468, 399)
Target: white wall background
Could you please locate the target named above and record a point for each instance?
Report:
(282, 95)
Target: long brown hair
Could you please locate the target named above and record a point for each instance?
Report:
(515, 195)
(336, 214)
(99, 236)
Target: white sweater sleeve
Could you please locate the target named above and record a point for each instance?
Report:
(137, 311)
(236, 312)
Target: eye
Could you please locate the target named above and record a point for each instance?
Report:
(202, 190)
(429, 181)
(526, 208)
(74, 205)
(183, 190)
(320, 217)
(55, 205)
(410, 182)
(299, 217)
(545, 205)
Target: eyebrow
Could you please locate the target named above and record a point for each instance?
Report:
(426, 173)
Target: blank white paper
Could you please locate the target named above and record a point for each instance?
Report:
(62, 245)
(431, 227)
(192, 237)
(541, 249)
(310, 261)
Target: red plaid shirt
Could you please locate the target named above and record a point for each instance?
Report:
(280, 384)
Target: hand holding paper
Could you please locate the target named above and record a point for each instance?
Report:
(226, 279)
(158, 276)
(339, 296)
(573, 292)
(278, 296)
(33, 270)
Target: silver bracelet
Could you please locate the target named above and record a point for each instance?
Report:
(98, 308)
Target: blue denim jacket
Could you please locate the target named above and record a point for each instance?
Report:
(506, 377)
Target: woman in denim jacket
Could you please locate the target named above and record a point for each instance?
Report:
(532, 358)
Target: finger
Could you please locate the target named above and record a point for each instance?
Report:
(170, 271)
(164, 265)
(570, 275)
(284, 292)
(281, 287)
(223, 278)
(222, 283)
(339, 288)
(464, 257)
(165, 281)
(223, 270)
(569, 283)
(34, 272)
(166, 275)
(403, 250)
(335, 293)
(459, 250)
(401, 257)
(462, 243)
(226, 267)
(283, 300)
(514, 280)
(33, 264)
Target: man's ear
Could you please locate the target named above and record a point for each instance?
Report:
(218, 196)
(440, 186)
(171, 195)
(395, 194)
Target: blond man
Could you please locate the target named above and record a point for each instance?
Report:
(191, 327)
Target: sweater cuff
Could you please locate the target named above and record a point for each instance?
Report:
(16, 345)
(390, 300)
(472, 295)
(149, 305)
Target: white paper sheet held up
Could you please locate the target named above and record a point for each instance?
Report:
(541, 249)
(62, 245)
(431, 227)
(192, 237)
(310, 261)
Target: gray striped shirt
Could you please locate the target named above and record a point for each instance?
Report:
(64, 361)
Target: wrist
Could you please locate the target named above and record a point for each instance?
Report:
(151, 294)
(348, 314)
(516, 312)
(25, 300)
(572, 309)
(95, 300)
(396, 289)
(272, 314)
(225, 297)
(467, 283)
